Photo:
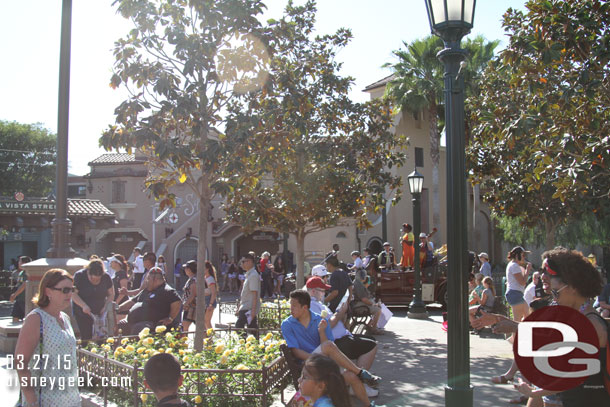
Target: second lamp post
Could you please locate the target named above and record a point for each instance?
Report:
(417, 308)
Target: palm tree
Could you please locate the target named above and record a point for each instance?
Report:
(418, 84)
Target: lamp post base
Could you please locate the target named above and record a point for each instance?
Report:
(417, 310)
(459, 396)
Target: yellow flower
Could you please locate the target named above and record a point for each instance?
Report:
(168, 351)
(241, 367)
(120, 349)
(130, 348)
(268, 337)
(210, 332)
(161, 350)
(198, 399)
(185, 358)
(169, 336)
(144, 397)
(106, 348)
(261, 346)
(144, 333)
(93, 350)
(269, 348)
(250, 338)
(224, 360)
(227, 353)
(140, 350)
(181, 352)
(209, 381)
(242, 341)
(110, 340)
(124, 341)
(149, 341)
(259, 363)
(161, 328)
(185, 338)
(219, 348)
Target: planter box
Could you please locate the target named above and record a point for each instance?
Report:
(270, 316)
(216, 387)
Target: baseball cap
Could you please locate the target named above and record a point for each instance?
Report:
(319, 270)
(192, 264)
(316, 282)
(386, 244)
(485, 255)
(422, 234)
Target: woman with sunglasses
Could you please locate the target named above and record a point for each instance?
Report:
(46, 346)
(573, 281)
(94, 290)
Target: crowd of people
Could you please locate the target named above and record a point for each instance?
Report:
(565, 278)
(336, 362)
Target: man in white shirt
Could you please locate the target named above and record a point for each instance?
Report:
(530, 291)
(138, 267)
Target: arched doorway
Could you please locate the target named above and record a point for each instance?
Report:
(375, 244)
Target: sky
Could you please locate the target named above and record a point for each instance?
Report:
(29, 50)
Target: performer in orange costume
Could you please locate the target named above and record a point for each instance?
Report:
(408, 251)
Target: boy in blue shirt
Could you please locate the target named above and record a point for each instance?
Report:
(308, 333)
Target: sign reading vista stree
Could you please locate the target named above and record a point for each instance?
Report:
(27, 206)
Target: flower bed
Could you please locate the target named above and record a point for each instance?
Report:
(230, 371)
(271, 315)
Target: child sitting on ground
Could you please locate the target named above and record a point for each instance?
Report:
(322, 381)
(162, 376)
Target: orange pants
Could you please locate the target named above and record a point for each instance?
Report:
(408, 253)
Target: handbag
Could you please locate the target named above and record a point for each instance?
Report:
(385, 316)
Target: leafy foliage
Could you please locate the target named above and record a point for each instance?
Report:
(306, 156)
(27, 159)
(541, 144)
(182, 63)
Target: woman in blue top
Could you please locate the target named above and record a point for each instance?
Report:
(322, 381)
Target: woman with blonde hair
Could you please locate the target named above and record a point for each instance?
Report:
(46, 346)
(211, 293)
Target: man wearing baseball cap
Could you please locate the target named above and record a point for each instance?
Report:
(356, 347)
(386, 258)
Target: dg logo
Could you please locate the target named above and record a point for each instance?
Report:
(556, 348)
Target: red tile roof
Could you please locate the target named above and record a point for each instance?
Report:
(116, 158)
(88, 208)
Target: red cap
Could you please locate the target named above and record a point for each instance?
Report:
(316, 282)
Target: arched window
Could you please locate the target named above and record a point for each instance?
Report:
(341, 235)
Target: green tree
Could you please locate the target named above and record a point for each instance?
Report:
(307, 158)
(418, 85)
(27, 159)
(540, 144)
(182, 63)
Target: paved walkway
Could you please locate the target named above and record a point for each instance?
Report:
(412, 359)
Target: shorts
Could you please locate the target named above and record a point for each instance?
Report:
(319, 350)
(280, 278)
(207, 301)
(514, 297)
(189, 314)
(355, 346)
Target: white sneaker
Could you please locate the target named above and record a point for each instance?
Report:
(370, 392)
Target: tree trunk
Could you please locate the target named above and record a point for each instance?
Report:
(300, 235)
(435, 158)
(549, 228)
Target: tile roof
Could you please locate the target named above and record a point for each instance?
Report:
(379, 83)
(88, 207)
(116, 158)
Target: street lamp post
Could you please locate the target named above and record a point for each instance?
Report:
(451, 20)
(417, 308)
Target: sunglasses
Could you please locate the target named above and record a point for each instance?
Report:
(65, 290)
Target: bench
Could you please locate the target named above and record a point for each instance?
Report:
(294, 365)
